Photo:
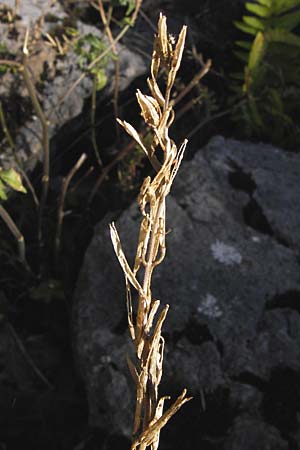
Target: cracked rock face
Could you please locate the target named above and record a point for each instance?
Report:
(232, 279)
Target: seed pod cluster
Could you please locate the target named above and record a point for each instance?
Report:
(146, 317)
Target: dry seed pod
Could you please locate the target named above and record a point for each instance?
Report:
(133, 133)
(178, 52)
(145, 317)
(155, 91)
(164, 42)
(155, 63)
(150, 109)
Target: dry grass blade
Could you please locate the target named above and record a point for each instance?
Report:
(150, 435)
(145, 328)
(122, 259)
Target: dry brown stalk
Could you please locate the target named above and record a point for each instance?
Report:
(28, 358)
(45, 132)
(60, 211)
(110, 37)
(15, 231)
(144, 326)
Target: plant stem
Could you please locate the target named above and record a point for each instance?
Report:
(93, 122)
(28, 358)
(99, 58)
(195, 80)
(108, 32)
(15, 231)
(60, 211)
(45, 138)
(13, 148)
(88, 69)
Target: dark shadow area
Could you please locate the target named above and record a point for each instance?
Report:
(289, 299)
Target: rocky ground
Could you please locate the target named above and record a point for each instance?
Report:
(231, 275)
(231, 278)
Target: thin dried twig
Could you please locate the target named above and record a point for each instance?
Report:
(105, 171)
(45, 132)
(15, 231)
(116, 58)
(60, 211)
(28, 358)
(99, 58)
(82, 178)
(145, 328)
(93, 122)
(196, 79)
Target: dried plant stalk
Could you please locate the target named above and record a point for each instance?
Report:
(145, 331)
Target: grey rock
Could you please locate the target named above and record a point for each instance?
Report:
(59, 102)
(273, 175)
(31, 10)
(191, 359)
(250, 434)
(245, 398)
(222, 276)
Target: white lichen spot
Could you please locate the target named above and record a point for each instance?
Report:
(105, 359)
(209, 307)
(225, 254)
(255, 239)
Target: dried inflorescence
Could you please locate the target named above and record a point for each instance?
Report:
(157, 112)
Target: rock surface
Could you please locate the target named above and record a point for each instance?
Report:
(232, 279)
(54, 76)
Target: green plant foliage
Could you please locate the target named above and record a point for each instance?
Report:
(3, 52)
(10, 179)
(271, 75)
(88, 48)
(3, 48)
(130, 4)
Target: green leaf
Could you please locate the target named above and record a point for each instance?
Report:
(3, 48)
(267, 3)
(72, 32)
(254, 22)
(255, 114)
(245, 28)
(259, 10)
(88, 48)
(126, 21)
(257, 51)
(244, 44)
(281, 6)
(129, 3)
(130, 8)
(242, 56)
(287, 21)
(3, 195)
(282, 37)
(276, 101)
(101, 79)
(4, 68)
(12, 179)
(115, 3)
